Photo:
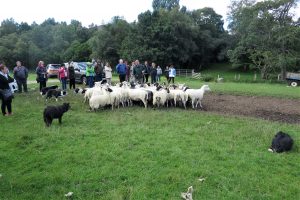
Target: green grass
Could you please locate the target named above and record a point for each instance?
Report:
(133, 153)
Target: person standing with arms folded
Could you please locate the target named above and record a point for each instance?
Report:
(41, 74)
(63, 75)
(21, 75)
(90, 73)
(121, 70)
(153, 73)
(172, 74)
(5, 92)
(158, 73)
(108, 74)
(71, 74)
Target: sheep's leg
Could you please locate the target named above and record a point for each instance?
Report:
(200, 104)
(193, 101)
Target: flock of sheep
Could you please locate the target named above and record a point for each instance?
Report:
(124, 94)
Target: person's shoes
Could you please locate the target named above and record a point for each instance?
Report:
(6, 115)
(9, 114)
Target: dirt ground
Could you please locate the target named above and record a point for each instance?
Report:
(268, 108)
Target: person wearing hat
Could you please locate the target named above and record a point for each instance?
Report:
(90, 73)
(62, 75)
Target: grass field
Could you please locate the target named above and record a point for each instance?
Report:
(133, 153)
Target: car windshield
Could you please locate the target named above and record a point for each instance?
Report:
(81, 66)
(54, 66)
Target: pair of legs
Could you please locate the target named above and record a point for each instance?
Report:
(153, 79)
(171, 79)
(157, 78)
(72, 83)
(22, 83)
(63, 83)
(98, 78)
(42, 85)
(122, 77)
(108, 80)
(4, 105)
(90, 81)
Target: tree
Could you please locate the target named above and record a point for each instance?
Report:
(267, 37)
(165, 4)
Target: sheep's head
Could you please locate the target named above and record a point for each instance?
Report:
(206, 88)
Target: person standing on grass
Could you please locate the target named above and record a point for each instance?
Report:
(147, 71)
(21, 75)
(90, 73)
(41, 74)
(5, 79)
(138, 72)
(158, 73)
(166, 72)
(108, 73)
(127, 71)
(172, 74)
(121, 70)
(98, 71)
(153, 73)
(71, 74)
(63, 75)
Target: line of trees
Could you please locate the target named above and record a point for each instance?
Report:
(261, 36)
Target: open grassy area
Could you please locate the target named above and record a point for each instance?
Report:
(133, 153)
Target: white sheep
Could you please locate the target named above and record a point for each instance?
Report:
(138, 95)
(102, 100)
(196, 95)
(160, 97)
(179, 96)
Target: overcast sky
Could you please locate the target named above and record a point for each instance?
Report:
(91, 11)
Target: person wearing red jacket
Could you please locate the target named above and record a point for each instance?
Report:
(63, 75)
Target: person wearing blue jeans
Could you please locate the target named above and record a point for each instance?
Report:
(90, 72)
(121, 70)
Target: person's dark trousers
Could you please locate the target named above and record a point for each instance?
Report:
(153, 79)
(90, 80)
(4, 105)
(42, 85)
(171, 79)
(146, 78)
(22, 82)
(122, 77)
(98, 78)
(72, 83)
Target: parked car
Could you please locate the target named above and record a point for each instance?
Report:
(80, 68)
(293, 79)
(52, 70)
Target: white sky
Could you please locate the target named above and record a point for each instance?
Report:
(91, 11)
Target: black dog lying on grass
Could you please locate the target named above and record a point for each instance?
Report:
(55, 112)
(281, 142)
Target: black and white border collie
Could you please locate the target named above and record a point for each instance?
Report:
(56, 93)
(80, 90)
(281, 142)
(46, 89)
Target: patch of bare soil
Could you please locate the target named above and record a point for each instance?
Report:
(268, 108)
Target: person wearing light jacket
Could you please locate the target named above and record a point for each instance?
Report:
(172, 74)
(108, 74)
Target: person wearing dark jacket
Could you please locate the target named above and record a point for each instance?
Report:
(153, 73)
(71, 73)
(138, 72)
(147, 71)
(98, 71)
(5, 79)
(41, 74)
(21, 75)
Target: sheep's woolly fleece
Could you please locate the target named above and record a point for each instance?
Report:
(188, 195)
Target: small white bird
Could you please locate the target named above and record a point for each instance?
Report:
(69, 194)
(271, 150)
(201, 179)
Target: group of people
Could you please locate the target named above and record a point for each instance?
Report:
(20, 75)
(95, 71)
(140, 73)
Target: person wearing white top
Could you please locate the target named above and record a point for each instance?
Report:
(108, 73)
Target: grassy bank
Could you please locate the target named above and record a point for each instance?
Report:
(133, 153)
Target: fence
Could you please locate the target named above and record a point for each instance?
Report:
(185, 72)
